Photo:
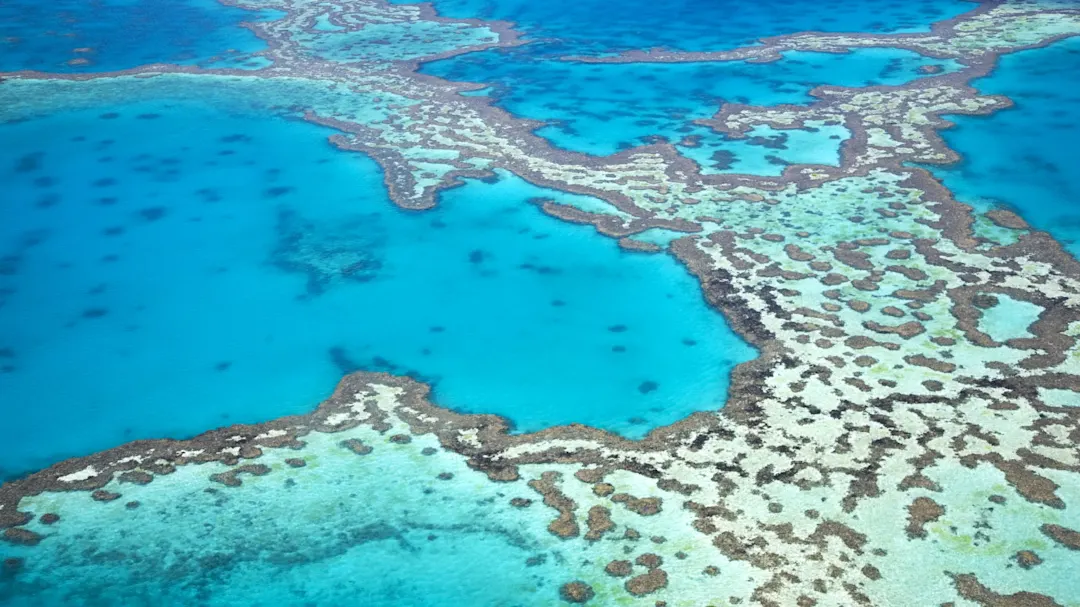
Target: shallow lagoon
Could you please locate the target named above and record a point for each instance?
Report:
(230, 268)
(603, 108)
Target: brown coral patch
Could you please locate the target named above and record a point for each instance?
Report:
(969, 587)
(1062, 535)
(357, 446)
(598, 523)
(231, 478)
(645, 506)
(619, 568)
(20, 536)
(565, 525)
(920, 512)
(647, 583)
(1027, 559)
(576, 592)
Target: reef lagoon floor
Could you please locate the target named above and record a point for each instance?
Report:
(517, 303)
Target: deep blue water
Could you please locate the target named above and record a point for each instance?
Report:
(599, 26)
(1038, 173)
(231, 268)
(107, 35)
(602, 108)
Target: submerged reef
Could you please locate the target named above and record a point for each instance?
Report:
(899, 440)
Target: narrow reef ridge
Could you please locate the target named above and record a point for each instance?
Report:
(886, 447)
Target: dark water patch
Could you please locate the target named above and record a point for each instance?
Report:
(722, 159)
(208, 195)
(29, 162)
(33, 238)
(278, 191)
(776, 142)
(153, 213)
(342, 361)
(94, 312)
(539, 269)
(9, 265)
(48, 201)
(648, 386)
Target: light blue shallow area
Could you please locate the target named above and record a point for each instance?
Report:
(600, 26)
(1009, 318)
(602, 108)
(122, 34)
(377, 530)
(168, 268)
(765, 150)
(1038, 173)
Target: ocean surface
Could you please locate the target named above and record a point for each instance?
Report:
(232, 268)
(601, 28)
(71, 36)
(1036, 174)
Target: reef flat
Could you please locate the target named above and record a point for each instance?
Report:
(907, 435)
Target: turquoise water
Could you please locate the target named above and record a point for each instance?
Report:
(598, 27)
(1037, 173)
(602, 108)
(334, 532)
(232, 267)
(167, 267)
(107, 35)
(767, 151)
(1009, 318)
